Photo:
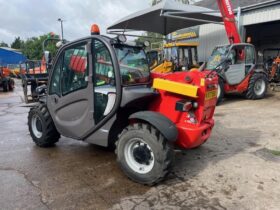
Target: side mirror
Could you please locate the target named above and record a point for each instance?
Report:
(228, 61)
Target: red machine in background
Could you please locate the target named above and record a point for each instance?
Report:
(236, 63)
(34, 73)
(6, 82)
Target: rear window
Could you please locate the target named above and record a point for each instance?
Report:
(133, 65)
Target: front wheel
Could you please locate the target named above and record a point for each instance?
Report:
(11, 85)
(144, 154)
(5, 86)
(41, 126)
(257, 86)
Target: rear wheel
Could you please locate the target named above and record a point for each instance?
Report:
(144, 154)
(257, 86)
(221, 91)
(41, 127)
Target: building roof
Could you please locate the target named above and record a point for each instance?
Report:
(11, 49)
(212, 4)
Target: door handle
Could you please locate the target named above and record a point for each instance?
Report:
(55, 100)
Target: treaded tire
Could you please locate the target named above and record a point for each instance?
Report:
(11, 85)
(163, 154)
(49, 134)
(251, 94)
(220, 97)
(5, 86)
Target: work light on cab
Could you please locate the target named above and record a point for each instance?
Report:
(121, 38)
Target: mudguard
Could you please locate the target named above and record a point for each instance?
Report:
(166, 127)
(261, 71)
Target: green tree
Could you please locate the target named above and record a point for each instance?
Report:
(17, 43)
(33, 47)
(3, 44)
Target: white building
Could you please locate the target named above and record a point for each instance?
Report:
(259, 19)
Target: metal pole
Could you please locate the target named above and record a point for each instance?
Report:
(61, 25)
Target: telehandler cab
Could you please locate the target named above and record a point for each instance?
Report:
(178, 56)
(100, 91)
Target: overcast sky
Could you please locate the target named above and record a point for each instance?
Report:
(27, 18)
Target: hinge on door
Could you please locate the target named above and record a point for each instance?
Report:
(89, 49)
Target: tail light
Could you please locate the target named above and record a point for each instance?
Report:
(189, 107)
(183, 106)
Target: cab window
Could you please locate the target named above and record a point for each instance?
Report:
(74, 69)
(133, 65)
(104, 81)
(55, 80)
(104, 74)
(250, 55)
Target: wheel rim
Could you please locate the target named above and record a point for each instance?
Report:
(139, 156)
(259, 87)
(36, 125)
(219, 91)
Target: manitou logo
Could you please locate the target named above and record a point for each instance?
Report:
(228, 5)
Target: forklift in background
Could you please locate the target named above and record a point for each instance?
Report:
(236, 63)
(271, 60)
(177, 56)
(6, 82)
(34, 73)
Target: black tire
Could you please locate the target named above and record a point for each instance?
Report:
(159, 150)
(252, 93)
(11, 85)
(5, 86)
(221, 92)
(49, 135)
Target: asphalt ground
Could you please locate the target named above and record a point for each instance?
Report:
(238, 168)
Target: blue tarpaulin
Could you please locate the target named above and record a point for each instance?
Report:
(10, 56)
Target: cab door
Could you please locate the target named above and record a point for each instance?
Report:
(235, 73)
(70, 93)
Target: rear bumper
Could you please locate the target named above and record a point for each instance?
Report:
(191, 136)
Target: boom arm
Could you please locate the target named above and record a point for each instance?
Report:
(225, 7)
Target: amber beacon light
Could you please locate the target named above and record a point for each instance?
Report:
(94, 30)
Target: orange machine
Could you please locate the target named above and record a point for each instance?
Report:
(6, 82)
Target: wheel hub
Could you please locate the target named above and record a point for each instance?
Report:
(39, 125)
(139, 156)
(142, 154)
(36, 126)
(259, 87)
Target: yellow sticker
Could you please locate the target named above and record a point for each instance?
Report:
(202, 82)
(211, 94)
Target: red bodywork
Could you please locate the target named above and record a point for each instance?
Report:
(240, 88)
(40, 69)
(191, 134)
(5, 72)
(227, 13)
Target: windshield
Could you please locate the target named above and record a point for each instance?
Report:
(217, 57)
(170, 53)
(133, 64)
